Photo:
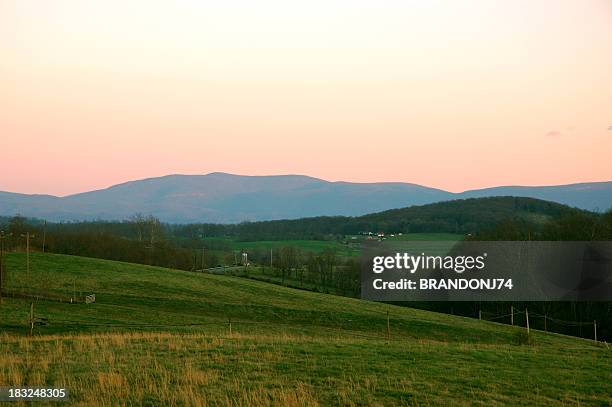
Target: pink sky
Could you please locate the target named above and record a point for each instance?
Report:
(448, 94)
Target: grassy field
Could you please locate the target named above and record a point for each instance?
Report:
(427, 237)
(316, 246)
(349, 246)
(162, 337)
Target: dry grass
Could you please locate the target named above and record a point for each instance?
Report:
(103, 369)
(265, 370)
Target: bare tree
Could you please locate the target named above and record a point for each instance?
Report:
(139, 221)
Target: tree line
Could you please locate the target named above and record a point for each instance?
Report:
(145, 240)
(462, 216)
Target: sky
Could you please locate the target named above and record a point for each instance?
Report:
(450, 94)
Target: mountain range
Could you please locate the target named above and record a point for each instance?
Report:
(228, 198)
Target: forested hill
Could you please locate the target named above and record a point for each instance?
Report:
(472, 215)
(459, 216)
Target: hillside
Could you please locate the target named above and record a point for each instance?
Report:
(458, 216)
(468, 215)
(164, 336)
(592, 196)
(228, 198)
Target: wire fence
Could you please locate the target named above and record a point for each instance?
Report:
(229, 323)
(546, 321)
(48, 295)
(520, 312)
(340, 325)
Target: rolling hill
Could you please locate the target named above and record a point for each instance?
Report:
(227, 198)
(592, 196)
(461, 216)
(163, 337)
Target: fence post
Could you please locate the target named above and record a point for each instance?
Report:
(479, 315)
(511, 315)
(527, 319)
(230, 326)
(545, 317)
(595, 329)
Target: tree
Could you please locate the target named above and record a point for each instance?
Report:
(17, 226)
(140, 222)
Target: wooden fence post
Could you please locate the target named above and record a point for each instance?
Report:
(527, 319)
(511, 315)
(595, 329)
(479, 315)
(230, 326)
(545, 317)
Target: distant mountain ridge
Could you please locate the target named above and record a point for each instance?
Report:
(227, 198)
